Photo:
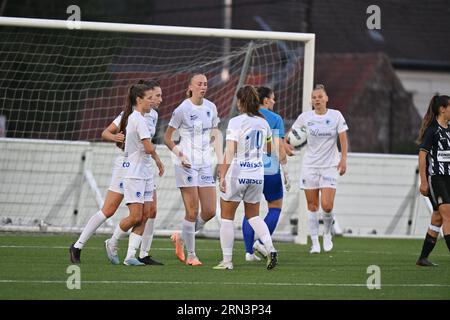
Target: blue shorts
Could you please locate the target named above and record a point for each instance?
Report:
(273, 187)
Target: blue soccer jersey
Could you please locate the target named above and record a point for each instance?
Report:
(271, 164)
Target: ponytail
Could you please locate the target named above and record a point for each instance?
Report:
(249, 101)
(432, 112)
(135, 91)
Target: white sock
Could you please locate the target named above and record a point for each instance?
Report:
(327, 218)
(199, 223)
(262, 232)
(188, 235)
(227, 239)
(118, 233)
(313, 224)
(133, 244)
(147, 238)
(94, 222)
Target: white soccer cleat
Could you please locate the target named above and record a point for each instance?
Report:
(327, 242)
(224, 266)
(259, 248)
(251, 257)
(315, 249)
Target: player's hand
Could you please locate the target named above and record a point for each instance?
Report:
(342, 167)
(287, 180)
(119, 137)
(184, 161)
(289, 149)
(222, 185)
(160, 166)
(424, 188)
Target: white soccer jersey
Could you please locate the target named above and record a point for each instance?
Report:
(322, 132)
(250, 133)
(136, 162)
(194, 124)
(151, 118)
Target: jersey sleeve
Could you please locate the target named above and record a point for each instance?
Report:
(117, 120)
(341, 123)
(279, 127)
(215, 117)
(232, 131)
(142, 129)
(300, 122)
(177, 118)
(427, 141)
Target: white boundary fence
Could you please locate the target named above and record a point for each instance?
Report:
(378, 196)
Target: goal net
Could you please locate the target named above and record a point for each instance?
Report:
(61, 88)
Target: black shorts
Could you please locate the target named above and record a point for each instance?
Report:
(439, 190)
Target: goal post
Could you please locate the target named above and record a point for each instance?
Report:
(66, 85)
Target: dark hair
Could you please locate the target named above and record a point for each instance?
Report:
(135, 91)
(433, 111)
(263, 93)
(189, 92)
(249, 100)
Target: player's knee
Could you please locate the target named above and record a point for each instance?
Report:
(208, 214)
(313, 207)
(327, 207)
(136, 219)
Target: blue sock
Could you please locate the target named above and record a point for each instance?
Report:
(249, 235)
(271, 219)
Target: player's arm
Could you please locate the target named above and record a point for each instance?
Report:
(173, 147)
(158, 162)
(111, 134)
(424, 188)
(217, 142)
(342, 167)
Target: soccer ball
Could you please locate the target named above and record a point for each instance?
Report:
(297, 137)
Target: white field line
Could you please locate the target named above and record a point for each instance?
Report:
(278, 284)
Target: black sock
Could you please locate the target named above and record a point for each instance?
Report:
(428, 245)
(447, 240)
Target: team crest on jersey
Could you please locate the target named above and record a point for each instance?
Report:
(327, 121)
(189, 179)
(121, 185)
(208, 113)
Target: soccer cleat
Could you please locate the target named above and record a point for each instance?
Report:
(193, 262)
(424, 262)
(272, 260)
(179, 250)
(315, 249)
(259, 248)
(133, 262)
(327, 242)
(112, 253)
(150, 262)
(224, 266)
(251, 257)
(75, 254)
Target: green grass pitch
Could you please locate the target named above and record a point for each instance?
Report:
(35, 267)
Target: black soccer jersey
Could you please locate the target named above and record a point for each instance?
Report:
(436, 141)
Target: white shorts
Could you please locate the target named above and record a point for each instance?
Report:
(243, 189)
(194, 177)
(138, 190)
(116, 184)
(319, 178)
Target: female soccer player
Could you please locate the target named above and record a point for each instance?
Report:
(114, 195)
(322, 163)
(273, 186)
(196, 120)
(434, 169)
(242, 175)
